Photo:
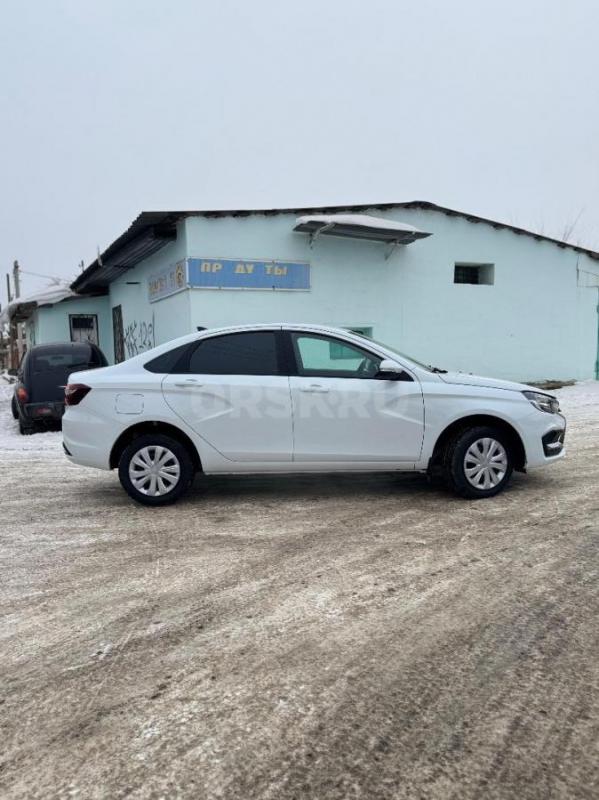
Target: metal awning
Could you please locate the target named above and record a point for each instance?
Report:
(359, 226)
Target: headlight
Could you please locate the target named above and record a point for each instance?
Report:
(544, 402)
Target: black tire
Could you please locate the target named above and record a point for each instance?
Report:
(14, 408)
(152, 441)
(26, 428)
(455, 467)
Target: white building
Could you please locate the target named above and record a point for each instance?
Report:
(449, 288)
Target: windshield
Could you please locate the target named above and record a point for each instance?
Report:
(397, 352)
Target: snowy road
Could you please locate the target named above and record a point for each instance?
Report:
(356, 637)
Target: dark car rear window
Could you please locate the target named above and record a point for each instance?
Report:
(54, 359)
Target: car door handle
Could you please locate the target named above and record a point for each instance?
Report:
(314, 388)
(190, 382)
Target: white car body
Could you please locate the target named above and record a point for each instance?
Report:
(293, 423)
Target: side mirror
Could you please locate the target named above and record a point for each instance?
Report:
(12, 371)
(391, 371)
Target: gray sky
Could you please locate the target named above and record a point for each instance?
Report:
(117, 106)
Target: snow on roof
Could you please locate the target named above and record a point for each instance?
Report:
(361, 220)
(43, 297)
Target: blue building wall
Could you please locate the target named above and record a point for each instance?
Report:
(537, 321)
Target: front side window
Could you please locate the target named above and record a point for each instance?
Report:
(321, 356)
(251, 353)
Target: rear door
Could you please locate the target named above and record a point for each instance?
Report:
(232, 390)
(343, 412)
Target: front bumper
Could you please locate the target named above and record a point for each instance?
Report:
(544, 438)
(553, 442)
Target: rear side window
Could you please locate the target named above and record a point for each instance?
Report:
(48, 360)
(251, 353)
(169, 362)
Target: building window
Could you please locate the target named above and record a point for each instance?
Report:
(477, 274)
(84, 328)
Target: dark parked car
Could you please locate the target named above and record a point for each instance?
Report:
(38, 401)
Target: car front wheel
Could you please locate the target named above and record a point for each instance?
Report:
(155, 469)
(478, 462)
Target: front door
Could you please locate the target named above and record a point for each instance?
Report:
(343, 413)
(233, 393)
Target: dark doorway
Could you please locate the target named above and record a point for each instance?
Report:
(117, 333)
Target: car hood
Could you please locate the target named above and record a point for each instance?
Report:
(465, 379)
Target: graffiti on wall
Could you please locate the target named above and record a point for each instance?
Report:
(138, 336)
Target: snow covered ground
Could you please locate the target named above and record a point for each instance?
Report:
(321, 636)
(580, 404)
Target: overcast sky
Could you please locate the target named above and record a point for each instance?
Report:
(117, 106)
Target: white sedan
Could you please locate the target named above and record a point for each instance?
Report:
(301, 398)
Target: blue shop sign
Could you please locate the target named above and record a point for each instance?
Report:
(168, 281)
(229, 273)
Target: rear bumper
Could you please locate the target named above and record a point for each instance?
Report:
(86, 439)
(43, 412)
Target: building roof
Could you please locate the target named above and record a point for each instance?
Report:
(152, 230)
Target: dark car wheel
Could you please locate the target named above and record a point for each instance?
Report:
(14, 407)
(478, 462)
(155, 470)
(26, 428)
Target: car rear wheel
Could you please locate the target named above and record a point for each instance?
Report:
(13, 407)
(155, 469)
(478, 462)
(26, 428)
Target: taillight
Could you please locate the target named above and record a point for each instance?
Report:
(74, 393)
(22, 395)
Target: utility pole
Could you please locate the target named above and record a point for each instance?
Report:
(15, 328)
(12, 332)
(16, 278)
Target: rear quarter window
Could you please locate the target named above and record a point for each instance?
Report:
(171, 361)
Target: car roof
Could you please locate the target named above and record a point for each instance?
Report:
(42, 348)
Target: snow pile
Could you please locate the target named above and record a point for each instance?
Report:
(55, 293)
(359, 220)
(580, 404)
(11, 441)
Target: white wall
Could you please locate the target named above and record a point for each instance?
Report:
(538, 320)
(533, 323)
